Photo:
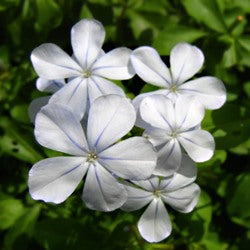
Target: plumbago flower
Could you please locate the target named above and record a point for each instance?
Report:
(178, 191)
(86, 70)
(185, 61)
(110, 118)
(170, 126)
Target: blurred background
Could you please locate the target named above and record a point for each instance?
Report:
(220, 28)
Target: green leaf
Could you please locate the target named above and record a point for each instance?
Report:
(230, 56)
(85, 12)
(148, 88)
(24, 225)
(213, 241)
(20, 113)
(171, 35)
(4, 56)
(207, 12)
(5, 4)
(67, 234)
(244, 5)
(242, 149)
(244, 44)
(145, 26)
(229, 130)
(235, 21)
(238, 204)
(151, 7)
(246, 88)
(10, 210)
(194, 226)
(49, 14)
(203, 211)
(102, 2)
(207, 122)
(18, 142)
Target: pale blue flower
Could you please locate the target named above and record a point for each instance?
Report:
(171, 127)
(177, 191)
(96, 153)
(185, 61)
(86, 70)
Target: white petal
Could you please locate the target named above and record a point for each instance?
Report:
(149, 66)
(102, 191)
(138, 99)
(158, 111)
(132, 159)
(36, 105)
(56, 127)
(184, 199)
(99, 86)
(199, 144)
(137, 102)
(210, 91)
(101, 53)
(73, 95)
(157, 136)
(114, 65)
(155, 225)
(185, 175)
(51, 62)
(169, 159)
(185, 61)
(151, 184)
(188, 112)
(50, 86)
(55, 179)
(87, 37)
(137, 198)
(110, 118)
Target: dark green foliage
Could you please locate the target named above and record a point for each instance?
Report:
(220, 28)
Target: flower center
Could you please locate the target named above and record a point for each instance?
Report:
(173, 134)
(87, 73)
(157, 193)
(91, 157)
(173, 88)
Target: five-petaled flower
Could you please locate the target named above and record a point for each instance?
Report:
(86, 70)
(110, 118)
(169, 125)
(185, 61)
(178, 191)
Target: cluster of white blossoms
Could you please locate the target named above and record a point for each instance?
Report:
(87, 115)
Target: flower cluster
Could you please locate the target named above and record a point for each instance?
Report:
(87, 115)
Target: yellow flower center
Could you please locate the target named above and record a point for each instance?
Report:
(173, 134)
(173, 88)
(157, 193)
(87, 74)
(91, 157)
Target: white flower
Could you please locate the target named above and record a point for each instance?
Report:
(185, 61)
(178, 191)
(86, 70)
(110, 118)
(173, 125)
